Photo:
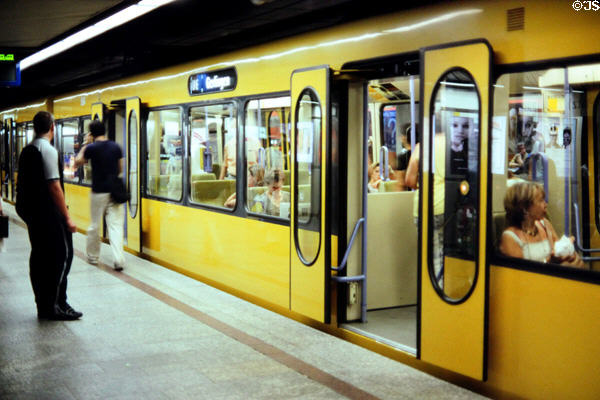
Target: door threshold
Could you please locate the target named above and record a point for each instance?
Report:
(379, 339)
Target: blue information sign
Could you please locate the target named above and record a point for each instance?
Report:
(212, 82)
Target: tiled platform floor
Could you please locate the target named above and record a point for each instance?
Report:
(150, 333)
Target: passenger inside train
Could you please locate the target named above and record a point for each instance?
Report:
(530, 234)
(271, 200)
(255, 176)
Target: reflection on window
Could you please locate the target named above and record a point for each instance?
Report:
(540, 124)
(70, 148)
(213, 154)
(267, 156)
(455, 165)
(165, 154)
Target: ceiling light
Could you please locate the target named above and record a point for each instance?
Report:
(98, 28)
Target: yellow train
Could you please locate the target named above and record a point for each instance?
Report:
(303, 230)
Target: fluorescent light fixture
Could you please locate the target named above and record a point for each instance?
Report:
(120, 18)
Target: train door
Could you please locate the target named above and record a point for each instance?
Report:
(310, 257)
(453, 284)
(380, 292)
(5, 158)
(132, 175)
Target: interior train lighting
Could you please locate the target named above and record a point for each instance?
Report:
(120, 18)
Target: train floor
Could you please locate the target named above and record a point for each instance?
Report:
(151, 333)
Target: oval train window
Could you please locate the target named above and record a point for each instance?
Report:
(132, 164)
(453, 204)
(307, 169)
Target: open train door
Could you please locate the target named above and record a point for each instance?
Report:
(132, 176)
(454, 280)
(310, 256)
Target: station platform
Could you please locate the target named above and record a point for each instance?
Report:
(150, 333)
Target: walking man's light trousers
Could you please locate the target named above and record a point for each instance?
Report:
(101, 204)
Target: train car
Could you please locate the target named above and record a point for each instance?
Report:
(308, 228)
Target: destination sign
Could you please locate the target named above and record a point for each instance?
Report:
(10, 73)
(212, 82)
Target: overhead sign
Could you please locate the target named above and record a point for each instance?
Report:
(10, 73)
(212, 82)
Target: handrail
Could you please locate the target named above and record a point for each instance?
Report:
(578, 244)
(384, 172)
(261, 157)
(545, 172)
(350, 244)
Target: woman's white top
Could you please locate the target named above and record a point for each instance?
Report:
(536, 251)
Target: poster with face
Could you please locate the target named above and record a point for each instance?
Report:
(461, 129)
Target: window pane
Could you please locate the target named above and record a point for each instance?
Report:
(87, 167)
(213, 154)
(539, 165)
(455, 165)
(308, 163)
(266, 146)
(165, 154)
(132, 164)
(70, 148)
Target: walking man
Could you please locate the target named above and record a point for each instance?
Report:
(41, 204)
(107, 164)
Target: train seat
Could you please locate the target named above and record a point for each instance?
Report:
(499, 221)
(389, 186)
(204, 176)
(212, 192)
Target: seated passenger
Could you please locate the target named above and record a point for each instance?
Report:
(256, 175)
(374, 178)
(530, 235)
(517, 163)
(269, 201)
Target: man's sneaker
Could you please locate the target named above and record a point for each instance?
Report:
(67, 309)
(93, 261)
(66, 313)
(118, 267)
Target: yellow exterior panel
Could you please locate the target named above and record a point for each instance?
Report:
(77, 198)
(244, 254)
(543, 335)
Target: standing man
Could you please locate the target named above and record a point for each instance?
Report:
(107, 164)
(41, 204)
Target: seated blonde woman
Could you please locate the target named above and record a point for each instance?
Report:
(530, 235)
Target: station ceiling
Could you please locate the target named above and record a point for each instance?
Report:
(180, 31)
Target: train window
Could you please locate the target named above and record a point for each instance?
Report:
(455, 165)
(164, 154)
(24, 135)
(132, 165)
(69, 146)
(540, 158)
(213, 154)
(87, 167)
(307, 204)
(265, 147)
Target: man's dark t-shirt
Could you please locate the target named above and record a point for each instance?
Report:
(104, 156)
